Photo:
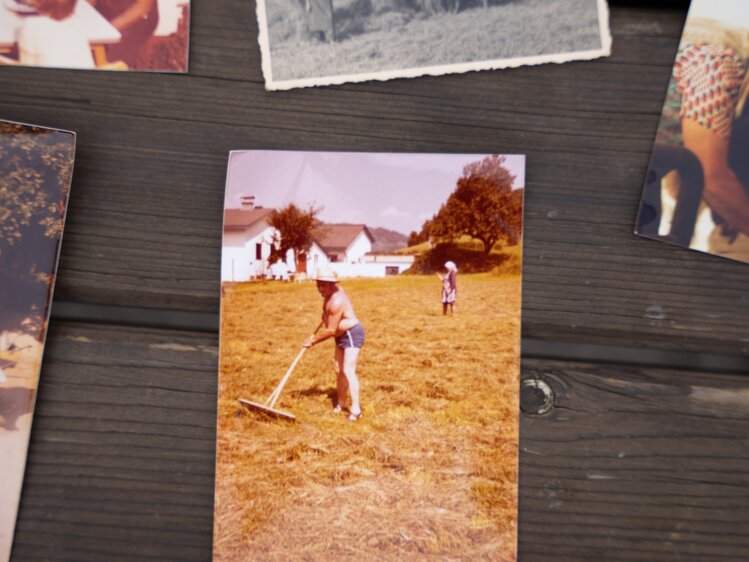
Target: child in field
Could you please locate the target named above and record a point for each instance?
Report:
(449, 287)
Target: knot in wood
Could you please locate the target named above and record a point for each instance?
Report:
(536, 397)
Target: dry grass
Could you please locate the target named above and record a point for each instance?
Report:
(395, 37)
(430, 470)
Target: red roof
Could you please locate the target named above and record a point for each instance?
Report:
(239, 219)
(338, 237)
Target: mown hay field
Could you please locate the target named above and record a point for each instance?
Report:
(379, 36)
(429, 471)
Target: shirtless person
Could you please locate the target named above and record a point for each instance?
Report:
(340, 323)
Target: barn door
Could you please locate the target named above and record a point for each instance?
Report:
(301, 263)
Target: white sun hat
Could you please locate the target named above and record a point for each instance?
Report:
(325, 273)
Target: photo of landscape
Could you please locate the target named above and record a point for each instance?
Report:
(427, 249)
(320, 42)
(36, 167)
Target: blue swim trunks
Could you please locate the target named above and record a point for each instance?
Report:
(353, 337)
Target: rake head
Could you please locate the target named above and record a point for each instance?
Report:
(266, 410)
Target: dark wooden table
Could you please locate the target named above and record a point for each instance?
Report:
(642, 451)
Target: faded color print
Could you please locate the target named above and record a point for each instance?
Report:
(321, 42)
(146, 35)
(36, 166)
(696, 193)
(423, 253)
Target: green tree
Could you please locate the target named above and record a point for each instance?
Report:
(416, 238)
(294, 231)
(483, 206)
(36, 166)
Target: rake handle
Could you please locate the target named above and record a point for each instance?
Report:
(277, 392)
(271, 401)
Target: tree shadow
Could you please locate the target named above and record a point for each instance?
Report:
(470, 261)
(14, 403)
(351, 20)
(363, 16)
(359, 16)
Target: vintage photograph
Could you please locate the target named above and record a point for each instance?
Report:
(369, 357)
(696, 191)
(147, 35)
(321, 42)
(36, 166)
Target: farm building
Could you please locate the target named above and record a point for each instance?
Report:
(247, 244)
(345, 247)
(339, 245)
(388, 264)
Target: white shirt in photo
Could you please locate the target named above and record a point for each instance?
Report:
(43, 41)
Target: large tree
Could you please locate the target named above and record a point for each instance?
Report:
(483, 206)
(294, 228)
(416, 238)
(36, 166)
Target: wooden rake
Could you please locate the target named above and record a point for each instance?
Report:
(267, 407)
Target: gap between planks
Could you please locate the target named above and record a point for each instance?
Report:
(532, 348)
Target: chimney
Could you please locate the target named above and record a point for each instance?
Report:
(247, 201)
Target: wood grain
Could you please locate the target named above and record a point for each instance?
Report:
(635, 464)
(122, 454)
(629, 463)
(144, 225)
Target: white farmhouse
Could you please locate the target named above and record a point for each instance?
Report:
(248, 239)
(339, 245)
(346, 249)
(247, 243)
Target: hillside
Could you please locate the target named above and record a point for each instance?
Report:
(387, 240)
(467, 253)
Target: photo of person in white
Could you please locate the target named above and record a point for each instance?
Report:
(150, 35)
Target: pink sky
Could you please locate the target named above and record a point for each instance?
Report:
(395, 191)
(731, 12)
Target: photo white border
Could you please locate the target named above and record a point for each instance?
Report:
(439, 70)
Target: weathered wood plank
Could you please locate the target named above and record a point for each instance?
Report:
(635, 464)
(144, 222)
(121, 464)
(629, 463)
